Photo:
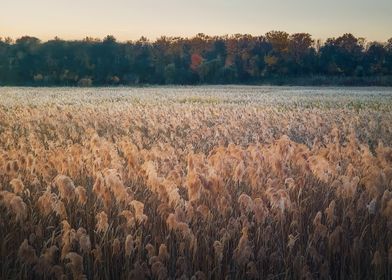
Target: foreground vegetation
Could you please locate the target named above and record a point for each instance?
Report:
(276, 58)
(212, 183)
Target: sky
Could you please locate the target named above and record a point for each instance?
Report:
(130, 19)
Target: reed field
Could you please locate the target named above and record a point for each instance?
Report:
(218, 182)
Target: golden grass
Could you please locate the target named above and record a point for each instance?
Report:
(161, 188)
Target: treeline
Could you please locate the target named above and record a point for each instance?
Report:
(277, 58)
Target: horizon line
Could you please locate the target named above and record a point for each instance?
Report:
(120, 39)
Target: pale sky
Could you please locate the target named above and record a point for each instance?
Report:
(130, 19)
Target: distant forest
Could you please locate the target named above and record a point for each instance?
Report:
(275, 58)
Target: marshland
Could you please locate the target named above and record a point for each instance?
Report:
(207, 182)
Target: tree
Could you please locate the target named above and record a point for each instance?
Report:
(349, 53)
(109, 39)
(375, 58)
(238, 58)
(196, 60)
(170, 73)
(388, 59)
(301, 53)
(279, 40)
(299, 46)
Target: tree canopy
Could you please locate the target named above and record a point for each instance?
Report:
(276, 56)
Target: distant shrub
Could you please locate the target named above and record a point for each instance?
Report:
(38, 78)
(114, 80)
(85, 82)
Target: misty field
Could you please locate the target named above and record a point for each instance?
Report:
(196, 183)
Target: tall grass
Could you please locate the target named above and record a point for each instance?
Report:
(97, 189)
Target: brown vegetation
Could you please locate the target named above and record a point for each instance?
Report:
(104, 190)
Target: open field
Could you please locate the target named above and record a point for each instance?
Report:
(196, 183)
